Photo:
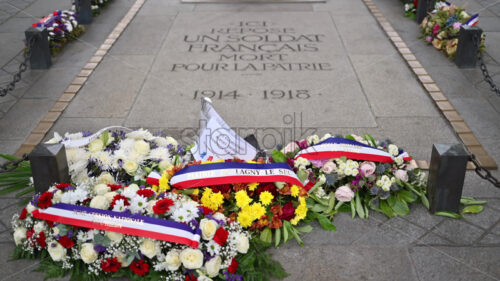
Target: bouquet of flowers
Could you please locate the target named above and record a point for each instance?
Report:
(411, 9)
(358, 186)
(441, 28)
(62, 27)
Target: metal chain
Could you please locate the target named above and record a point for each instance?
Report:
(483, 172)
(22, 68)
(484, 69)
(12, 165)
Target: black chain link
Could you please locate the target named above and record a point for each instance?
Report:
(483, 172)
(22, 68)
(484, 69)
(12, 165)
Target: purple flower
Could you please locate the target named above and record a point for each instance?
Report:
(428, 38)
(99, 248)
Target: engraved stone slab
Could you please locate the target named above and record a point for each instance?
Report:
(257, 68)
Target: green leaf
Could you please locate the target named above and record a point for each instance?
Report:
(370, 139)
(102, 240)
(386, 209)
(304, 229)
(448, 214)
(353, 209)
(318, 208)
(277, 237)
(472, 209)
(359, 208)
(105, 138)
(302, 175)
(325, 223)
(406, 196)
(278, 156)
(266, 235)
(339, 204)
(471, 201)
(285, 234)
(331, 202)
(400, 207)
(349, 137)
(424, 200)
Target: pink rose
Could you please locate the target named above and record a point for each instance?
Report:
(457, 25)
(428, 38)
(367, 168)
(402, 175)
(291, 147)
(329, 167)
(344, 194)
(435, 29)
(318, 162)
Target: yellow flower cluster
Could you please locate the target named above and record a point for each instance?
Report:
(300, 211)
(266, 197)
(294, 190)
(252, 186)
(250, 213)
(212, 200)
(242, 199)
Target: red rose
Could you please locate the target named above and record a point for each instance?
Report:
(191, 277)
(115, 187)
(162, 206)
(62, 185)
(233, 267)
(415, 3)
(29, 233)
(206, 211)
(223, 188)
(111, 265)
(288, 212)
(139, 267)
(49, 223)
(118, 197)
(45, 200)
(267, 187)
(66, 242)
(41, 240)
(145, 192)
(23, 214)
(220, 236)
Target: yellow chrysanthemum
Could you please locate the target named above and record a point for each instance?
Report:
(252, 186)
(300, 211)
(266, 197)
(217, 199)
(257, 210)
(245, 219)
(294, 190)
(212, 200)
(242, 199)
(164, 182)
(196, 191)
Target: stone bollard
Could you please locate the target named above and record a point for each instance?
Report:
(469, 40)
(40, 52)
(423, 9)
(48, 165)
(83, 10)
(446, 177)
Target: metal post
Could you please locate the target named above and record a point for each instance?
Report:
(40, 57)
(83, 11)
(469, 40)
(423, 9)
(446, 177)
(48, 165)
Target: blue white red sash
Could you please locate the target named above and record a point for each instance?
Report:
(121, 222)
(474, 19)
(340, 147)
(232, 172)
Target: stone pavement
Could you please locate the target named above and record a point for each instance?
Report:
(337, 73)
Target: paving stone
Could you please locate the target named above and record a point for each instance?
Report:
(142, 37)
(456, 263)
(458, 231)
(52, 84)
(245, 7)
(25, 114)
(162, 8)
(42, 8)
(419, 215)
(10, 146)
(17, 24)
(11, 44)
(485, 219)
(396, 231)
(7, 102)
(397, 265)
(432, 239)
(490, 239)
(343, 7)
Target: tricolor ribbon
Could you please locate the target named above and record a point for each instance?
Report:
(153, 178)
(232, 172)
(121, 222)
(340, 147)
(474, 19)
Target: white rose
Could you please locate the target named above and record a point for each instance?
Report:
(110, 195)
(172, 260)
(39, 226)
(56, 251)
(99, 202)
(149, 248)
(314, 139)
(172, 141)
(30, 208)
(399, 160)
(122, 258)
(141, 147)
(242, 243)
(57, 197)
(164, 165)
(106, 178)
(219, 216)
(101, 189)
(213, 266)
(96, 145)
(191, 258)
(19, 235)
(115, 237)
(394, 150)
(130, 167)
(208, 228)
(87, 253)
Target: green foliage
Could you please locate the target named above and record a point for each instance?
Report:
(17, 180)
(278, 156)
(258, 265)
